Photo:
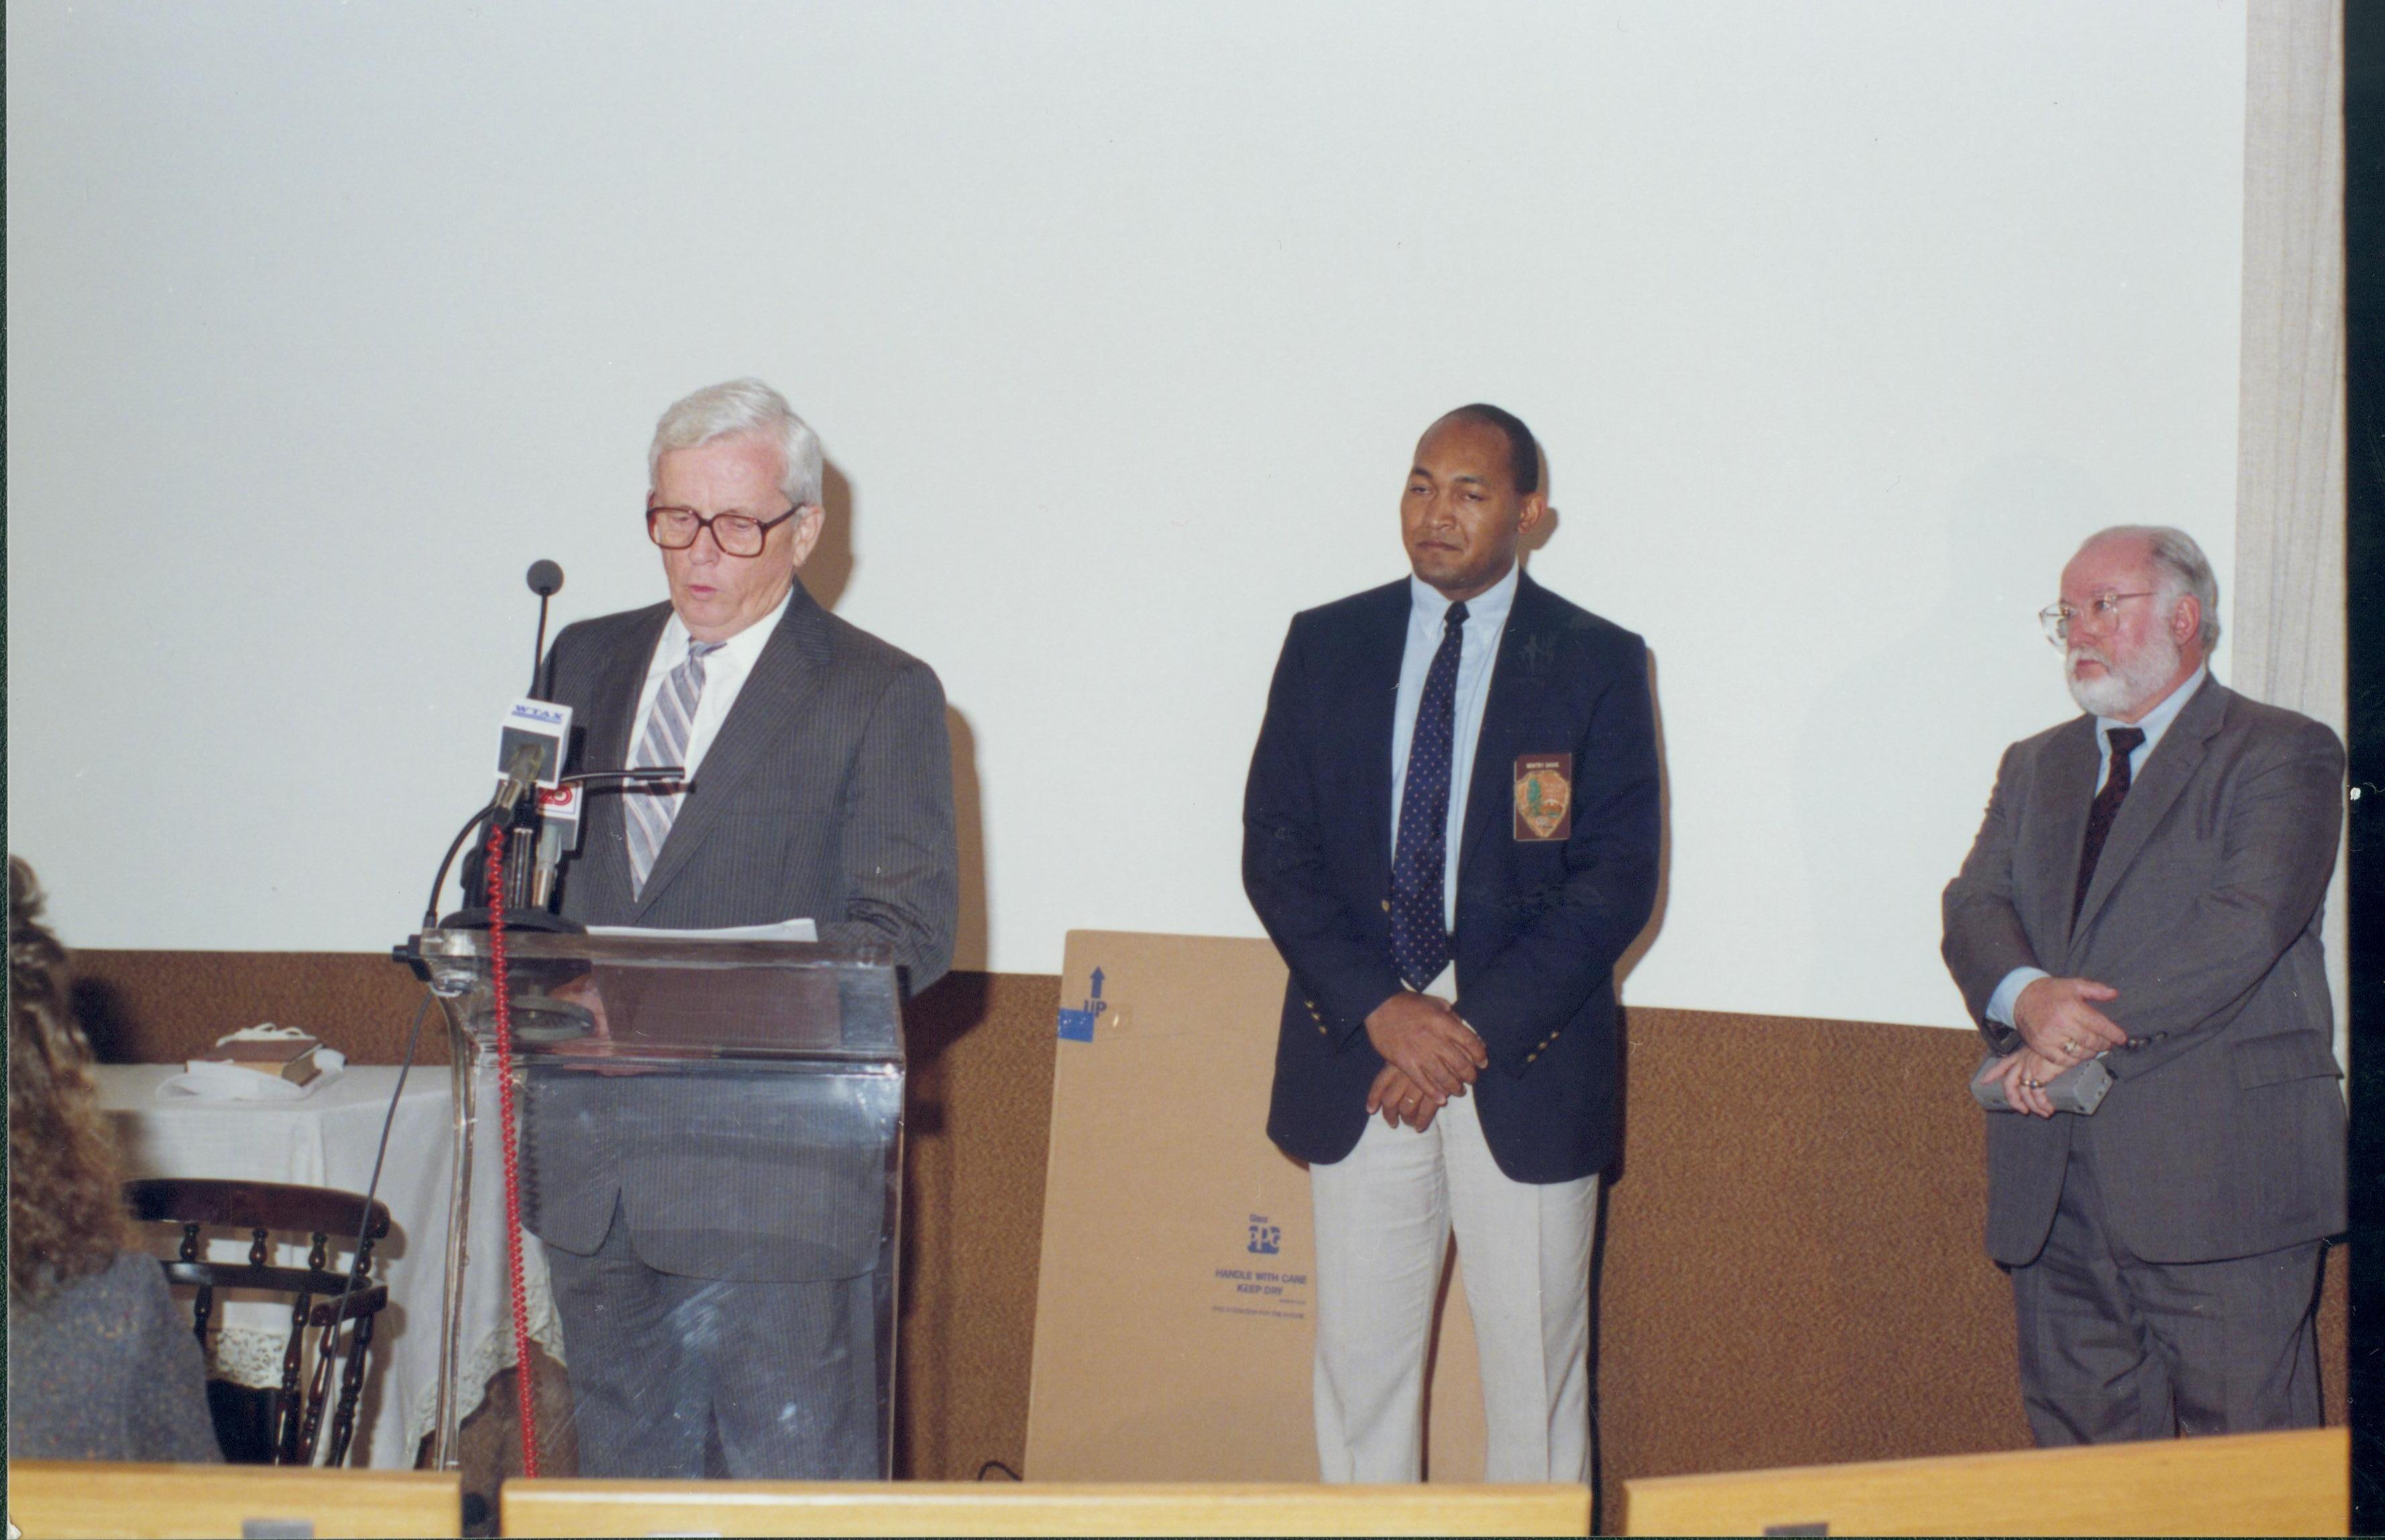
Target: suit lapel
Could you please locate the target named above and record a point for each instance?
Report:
(2067, 775)
(2167, 770)
(1374, 698)
(776, 694)
(1518, 675)
(620, 681)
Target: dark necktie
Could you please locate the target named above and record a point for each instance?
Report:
(2124, 741)
(1420, 862)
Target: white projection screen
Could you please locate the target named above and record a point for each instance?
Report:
(1841, 323)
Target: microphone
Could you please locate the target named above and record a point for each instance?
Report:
(559, 833)
(519, 775)
(545, 580)
(531, 743)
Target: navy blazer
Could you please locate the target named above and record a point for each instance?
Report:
(1540, 925)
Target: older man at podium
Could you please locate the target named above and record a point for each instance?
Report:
(718, 1326)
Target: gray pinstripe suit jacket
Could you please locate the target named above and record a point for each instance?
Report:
(827, 793)
(2224, 1135)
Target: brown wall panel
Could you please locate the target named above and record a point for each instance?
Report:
(155, 1008)
(1793, 1268)
(1791, 1273)
(980, 1119)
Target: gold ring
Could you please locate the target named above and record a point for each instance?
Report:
(2032, 1085)
(2070, 1044)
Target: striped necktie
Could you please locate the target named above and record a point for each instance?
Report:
(664, 743)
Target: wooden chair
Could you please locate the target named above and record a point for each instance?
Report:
(262, 1209)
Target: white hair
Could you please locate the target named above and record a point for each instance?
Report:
(739, 407)
(2183, 569)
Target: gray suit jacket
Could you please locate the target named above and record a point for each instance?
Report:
(827, 793)
(2224, 1135)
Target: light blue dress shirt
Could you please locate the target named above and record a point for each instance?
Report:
(2156, 722)
(1486, 619)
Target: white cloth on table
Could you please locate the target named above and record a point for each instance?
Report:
(328, 1140)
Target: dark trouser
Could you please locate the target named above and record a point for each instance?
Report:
(2115, 1348)
(783, 1375)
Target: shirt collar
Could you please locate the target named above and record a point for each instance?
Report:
(2157, 722)
(740, 649)
(1487, 609)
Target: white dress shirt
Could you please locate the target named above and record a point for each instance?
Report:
(1486, 618)
(724, 675)
(2154, 723)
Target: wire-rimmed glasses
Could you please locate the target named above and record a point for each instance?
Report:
(2057, 618)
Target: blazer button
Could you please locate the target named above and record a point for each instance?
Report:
(1529, 1056)
(1387, 905)
(1320, 1029)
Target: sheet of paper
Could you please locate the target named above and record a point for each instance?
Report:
(785, 930)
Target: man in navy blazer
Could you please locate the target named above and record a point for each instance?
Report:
(1450, 832)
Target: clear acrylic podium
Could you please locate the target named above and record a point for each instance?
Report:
(727, 1116)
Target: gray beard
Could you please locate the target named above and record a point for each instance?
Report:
(2127, 688)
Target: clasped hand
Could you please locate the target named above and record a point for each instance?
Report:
(1429, 1057)
(2057, 1020)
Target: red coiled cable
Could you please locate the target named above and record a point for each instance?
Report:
(512, 1145)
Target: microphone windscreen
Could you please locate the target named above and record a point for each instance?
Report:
(546, 578)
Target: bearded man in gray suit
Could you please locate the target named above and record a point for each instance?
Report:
(714, 1246)
(2146, 888)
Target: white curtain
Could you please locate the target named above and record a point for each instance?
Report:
(2287, 633)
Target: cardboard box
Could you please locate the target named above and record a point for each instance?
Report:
(1174, 1312)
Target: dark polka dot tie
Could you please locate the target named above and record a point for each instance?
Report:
(1420, 862)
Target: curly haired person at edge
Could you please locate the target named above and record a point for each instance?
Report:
(101, 1364)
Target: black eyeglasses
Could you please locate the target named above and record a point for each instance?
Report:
(737, 534)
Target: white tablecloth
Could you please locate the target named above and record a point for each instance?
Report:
(327, 1140)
